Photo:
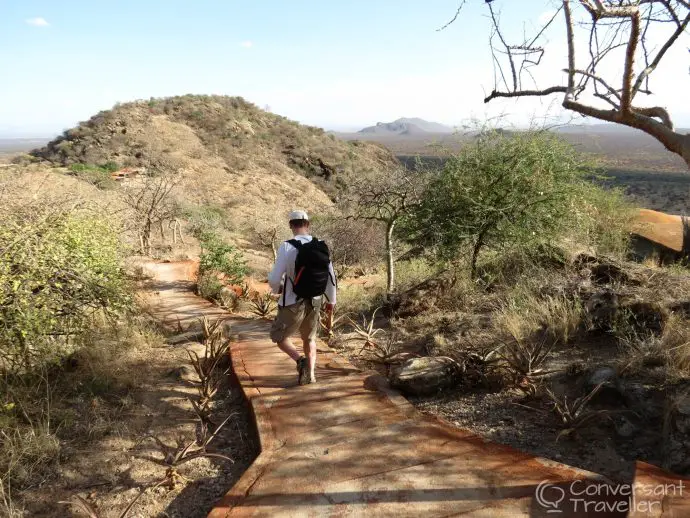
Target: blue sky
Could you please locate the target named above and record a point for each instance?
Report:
(340, 65)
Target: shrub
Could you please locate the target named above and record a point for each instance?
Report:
(351, 242)
(499, 190)
(100, 176)
(209, 286)
(204, 219)
(57, 269)
(220, 257)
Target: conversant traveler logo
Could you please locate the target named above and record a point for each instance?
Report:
(549, 496)
(591, 497)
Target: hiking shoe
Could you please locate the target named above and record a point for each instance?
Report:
(303, 371)
(312, 379)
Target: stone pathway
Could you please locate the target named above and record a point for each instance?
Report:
(350, 446)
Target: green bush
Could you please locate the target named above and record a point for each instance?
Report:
(500, 190)
(208, 286)
(100, 176)
(57, 269)
(217, 256)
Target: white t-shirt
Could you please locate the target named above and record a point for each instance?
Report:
(285, 268)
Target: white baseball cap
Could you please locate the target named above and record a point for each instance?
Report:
(298, 214)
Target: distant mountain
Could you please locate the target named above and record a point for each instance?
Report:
(406, 126)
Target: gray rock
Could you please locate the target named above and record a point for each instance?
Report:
(426, 376)
(606, 375)
(624, 428)
(612, 390)
(184, 373)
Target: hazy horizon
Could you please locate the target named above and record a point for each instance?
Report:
(583, 124)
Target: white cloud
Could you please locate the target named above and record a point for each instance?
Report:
(247, 44)
(38, 22)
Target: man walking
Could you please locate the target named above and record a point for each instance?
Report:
(303, 277)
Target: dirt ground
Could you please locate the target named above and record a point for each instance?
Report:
(110, 468)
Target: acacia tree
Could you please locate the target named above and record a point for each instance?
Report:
(626, 40)
(498, 191)
(387, 197)
(152, 205)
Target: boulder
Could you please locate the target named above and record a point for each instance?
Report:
(611, 391)
(425, 376)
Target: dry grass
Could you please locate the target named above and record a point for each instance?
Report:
(671, 349)
(358, 298)
(558, 317)
(85, 398)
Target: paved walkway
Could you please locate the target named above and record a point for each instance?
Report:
(349, 446)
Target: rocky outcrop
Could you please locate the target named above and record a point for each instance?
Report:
(426, 376)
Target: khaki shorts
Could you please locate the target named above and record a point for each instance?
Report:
(304, 315)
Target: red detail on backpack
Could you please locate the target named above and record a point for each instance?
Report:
(298, 276)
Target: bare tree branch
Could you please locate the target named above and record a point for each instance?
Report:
(527, 93)
(457, 13)
(660, 55)
(610, 26)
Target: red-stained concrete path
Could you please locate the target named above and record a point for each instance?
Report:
(349, 446)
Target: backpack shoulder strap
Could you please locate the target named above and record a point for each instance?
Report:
(295, 242)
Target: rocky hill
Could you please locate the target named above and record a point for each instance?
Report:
(406, 126)
(228, 151)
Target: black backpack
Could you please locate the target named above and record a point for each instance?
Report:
(311, 268)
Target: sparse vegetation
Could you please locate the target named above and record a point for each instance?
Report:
(525, 361)
(219, 258)
(204, 220)
(557, 317)
(251, 132)
(354, 244)
(365, 331)
(387, 197)
(152, 206)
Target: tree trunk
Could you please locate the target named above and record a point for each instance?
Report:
(390, 266)
(147, 238)
(475, 254)
(273, 250)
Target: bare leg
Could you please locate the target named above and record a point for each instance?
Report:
(289, 349)
(310, 352)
